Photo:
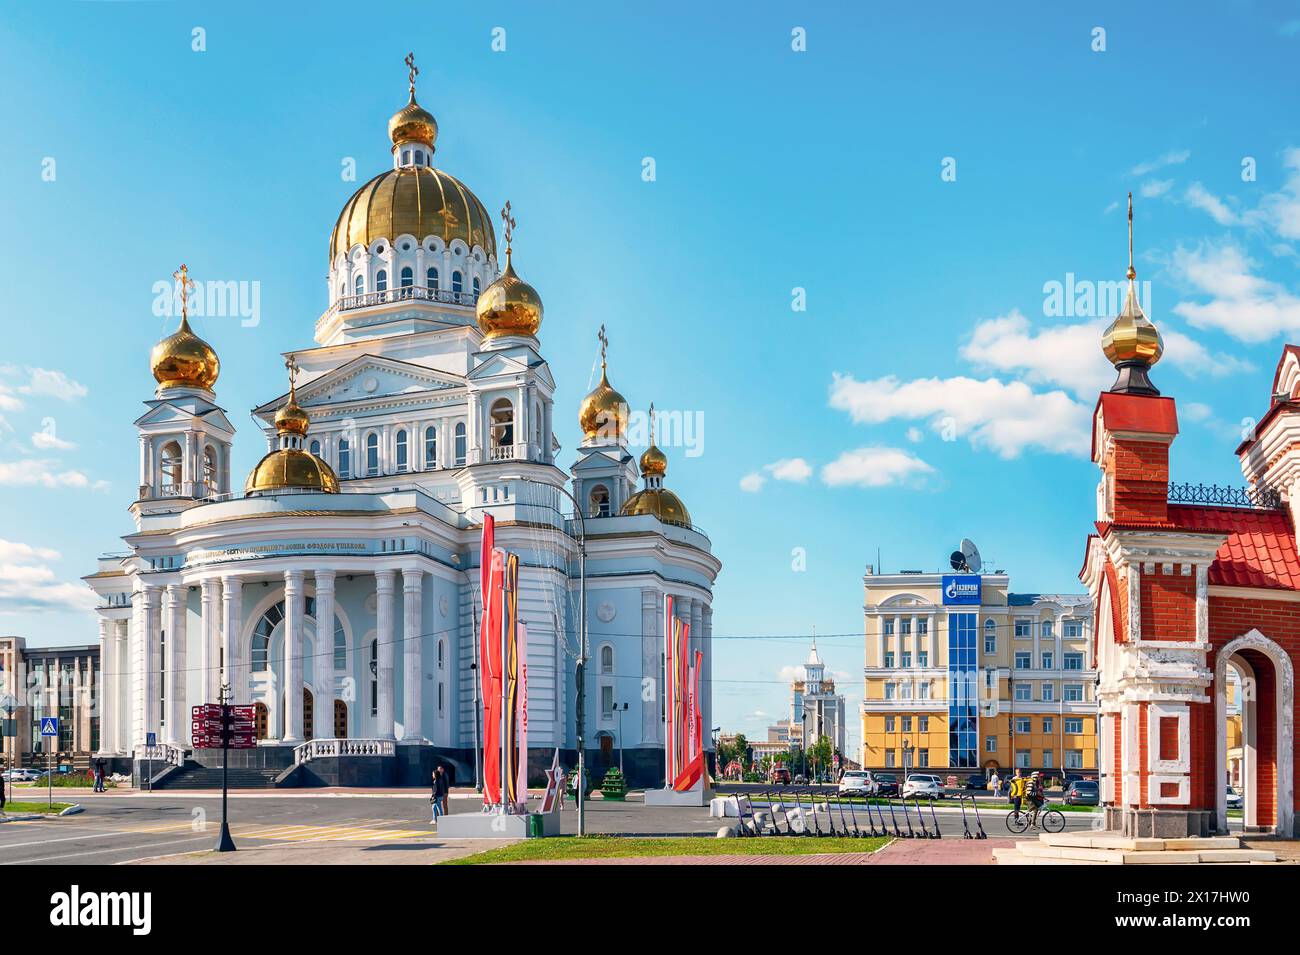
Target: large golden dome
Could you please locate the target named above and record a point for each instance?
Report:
(509, 306)
(658, 502)
(415, 200)
(604, 411)
(292, 468)
(413, 124)
(1132, 337)
(183, 360)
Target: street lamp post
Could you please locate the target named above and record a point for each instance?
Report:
(620, 710)
(907, 759)
(580, 676)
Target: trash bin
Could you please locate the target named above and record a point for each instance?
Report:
(535, 827)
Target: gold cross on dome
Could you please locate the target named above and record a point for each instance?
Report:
(291, 363)
(652, 422)
(186, 284)
(604, 344)
(412, 71)
(509, 221)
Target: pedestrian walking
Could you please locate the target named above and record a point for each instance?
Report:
(994, 783)
(99, 775)
(442, 787)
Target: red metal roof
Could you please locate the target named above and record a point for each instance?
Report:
(1147, 414)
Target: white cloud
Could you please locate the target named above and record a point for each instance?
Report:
(45, 473)
(787, 469)
(1154, 188)
(1175, 157)
(790, 673)
(27, 583)
(1007, 417)
(1201, 198)
(39, 382)
(915, 435)
(1247, 307)
(48, 441)
(875, 467)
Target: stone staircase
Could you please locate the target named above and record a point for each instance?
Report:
(195, 776)
(1109, 848)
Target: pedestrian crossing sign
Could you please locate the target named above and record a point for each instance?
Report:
(49, 726)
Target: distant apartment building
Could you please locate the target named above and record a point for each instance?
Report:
(963, 675)
(36, 682)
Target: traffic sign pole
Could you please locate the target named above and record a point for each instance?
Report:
(50, 731)
(225, 843)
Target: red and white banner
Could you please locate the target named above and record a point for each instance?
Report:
(683, 740)
(489, 660)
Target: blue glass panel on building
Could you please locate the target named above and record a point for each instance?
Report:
(963, 699)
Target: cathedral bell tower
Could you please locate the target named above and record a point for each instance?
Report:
(604, 476)
(185, 437)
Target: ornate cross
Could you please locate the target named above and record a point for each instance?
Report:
(291, 363)
(652, 422)
(604, 344)
(412, 71)
(509, 221)
(182, 277)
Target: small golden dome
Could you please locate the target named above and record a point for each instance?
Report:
(291, 419)
(413, 200)
(292, 468)
(658, 502)
(413, 124)
(1132, 337)
(183, 360)
(509, 306)
(604, 411)
(654, 463)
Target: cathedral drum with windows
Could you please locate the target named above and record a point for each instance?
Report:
(337, 593)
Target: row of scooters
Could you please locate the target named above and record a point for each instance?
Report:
(796, 818)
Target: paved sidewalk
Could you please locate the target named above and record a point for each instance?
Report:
(404, 852)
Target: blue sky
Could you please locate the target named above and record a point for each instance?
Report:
(824, 429)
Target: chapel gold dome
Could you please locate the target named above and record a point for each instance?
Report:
(657, 502)
(291, 419)
(413, 124)
(509, 306)
(604, 411)
(183, 360)
(1132, 337)
(414, 200)
(654, 463)
(291, 468)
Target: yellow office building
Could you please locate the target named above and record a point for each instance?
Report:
(962, 676)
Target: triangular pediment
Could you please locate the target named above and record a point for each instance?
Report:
(368, 377)
(601, 459)
(164, 413)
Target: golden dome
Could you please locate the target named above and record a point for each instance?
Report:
(413, 200)
(183, 360)
(509, 306)
(603, 411)
(413, 124)
(291, 419)
(292, 468)
(1132, 337)
(654, 463)
(658, 502)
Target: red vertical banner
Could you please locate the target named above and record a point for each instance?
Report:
(490, 663)
(510, 742)
(670, 733)
(521, 717)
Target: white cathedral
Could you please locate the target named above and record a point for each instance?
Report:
(424, 404)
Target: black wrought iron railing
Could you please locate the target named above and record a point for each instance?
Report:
(1224, 496)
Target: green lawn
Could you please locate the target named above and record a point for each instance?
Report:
(24, 807)
(611, 847)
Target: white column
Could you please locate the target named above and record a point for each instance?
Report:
(174, 628)
(916, 639)
(934, 640)
(324, 721)
(120, 684)
(898, 641)
(101, 700)
(880, 641)
(412, 655)
(187, 465)
(293, 616)
(149, 682)
(384, 637)
(209, 634)
(146, 477)
(232, 671)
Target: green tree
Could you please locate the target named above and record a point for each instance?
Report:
(819, 754)
(742, 750)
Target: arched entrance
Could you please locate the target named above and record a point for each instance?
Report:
(308, 714)
(261, 721)
(340, 720)
(1268, 712)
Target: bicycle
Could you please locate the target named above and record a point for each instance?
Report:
(1039, 817)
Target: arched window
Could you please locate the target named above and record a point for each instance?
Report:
(1047, 629)
(440, 658)
(475, 287)
(381, 280)
(261, 649)
(340, 720)
(172, 468)
(345, 458)
(374, 683)
(598, 501)
(990, 636)
(360, 285)
(210, 469)
(408, 277)
(457, 282)
(340, 647)
(607, 659)
(372, 454)
(401, 450)
(431, 279)
(430, 448)
(406, 157)
(315, 448)
(460, 443)
(503, 426)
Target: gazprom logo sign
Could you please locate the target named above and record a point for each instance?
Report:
(961, 590)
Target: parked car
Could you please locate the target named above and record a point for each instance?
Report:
(1082, 792)
(21, 775)
(924, 785)
(779, 776)
(886, 784)
(856, 782)
(1234, 798)
(976, 781)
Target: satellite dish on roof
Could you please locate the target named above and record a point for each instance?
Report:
(966, 558)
